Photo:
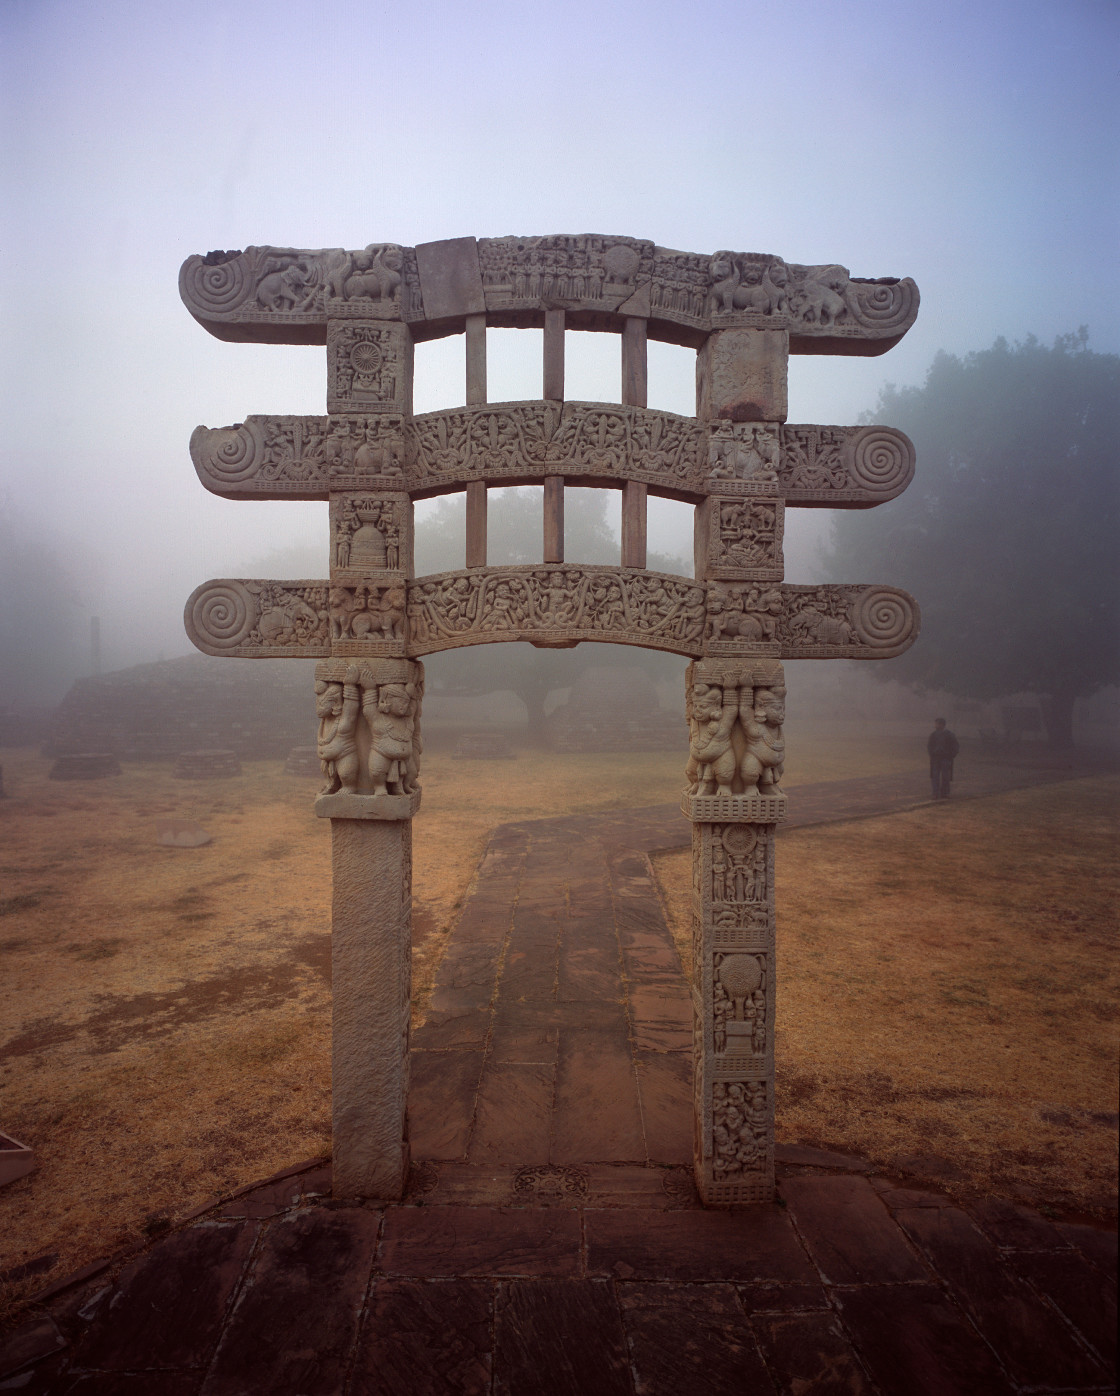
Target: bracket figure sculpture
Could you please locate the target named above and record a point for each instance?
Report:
(738, 461)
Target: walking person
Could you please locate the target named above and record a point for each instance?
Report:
(943, 747)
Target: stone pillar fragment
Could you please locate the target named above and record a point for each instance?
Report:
(734, 799)
(371, 952)
(369, 748)
(742, 376)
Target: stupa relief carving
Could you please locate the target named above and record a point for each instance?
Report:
(737, 460)
(370, 532)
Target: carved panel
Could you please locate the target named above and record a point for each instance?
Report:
(833, 466)
(368, 617)
(739, 1013)
(286, 295)
(369, 742)
(370, 532)
(803, 622)
(557, 605)
(574, 271)
(369, 367)
(745, 538)
(743, 458)
(521, 440)
(264, 457)
(254, 619)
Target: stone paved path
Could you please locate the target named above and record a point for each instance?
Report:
(551, 1241)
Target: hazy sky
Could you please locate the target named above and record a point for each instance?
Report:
(970, 145)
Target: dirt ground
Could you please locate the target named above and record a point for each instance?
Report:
(948, 990)
(165, 1013)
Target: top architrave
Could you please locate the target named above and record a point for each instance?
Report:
(286, 295)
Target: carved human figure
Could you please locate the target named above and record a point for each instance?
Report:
(392, 758)
(337, 706)
(762, 712)
(711, 757)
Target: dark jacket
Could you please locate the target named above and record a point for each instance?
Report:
(942, 746)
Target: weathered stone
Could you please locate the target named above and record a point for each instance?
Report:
(533, 1347)
(735, 460)
(296, 1323)
(206, 765)
(1033, 1344)
(182, 833)
(808, 1352)
(371, 958)
(756, 1244)
(686, 1338)
(432, 1337)
(466, 1241)
(168, 1306)
(86, 766)
(849, 1232)
(741, 376)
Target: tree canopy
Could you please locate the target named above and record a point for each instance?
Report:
(1008, 534)
(514, 536)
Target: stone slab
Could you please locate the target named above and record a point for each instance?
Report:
(596, 1116)
(1016, 1227)
(916, 1343)
(295, 1325)
(782, 1298)
(690, 1338)
(1097, 1243)
(345, 806)
(513, 1115)
(441, 1102)
(1075, 1290)
(30, 1342)
(428, 1242)
(169, 1305)
(804, 1155)
(757, 1243)
(810, 1353)
(181, 833)
(850, 1234)
(665, 1095)
(1033, 1344)
(556, 1338)
(450, 279)
(431, 1337)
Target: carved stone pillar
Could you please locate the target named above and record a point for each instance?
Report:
(369, 747)
(733, 797)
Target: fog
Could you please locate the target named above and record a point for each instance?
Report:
(972, 147)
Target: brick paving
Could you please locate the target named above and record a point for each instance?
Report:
(551, 1240)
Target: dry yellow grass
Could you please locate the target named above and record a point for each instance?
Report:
(164, 1013)
(948, 986)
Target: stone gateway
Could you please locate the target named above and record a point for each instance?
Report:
(738, 461)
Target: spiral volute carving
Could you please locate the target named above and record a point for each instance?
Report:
(882, 460)
(228, 454)
(220, 615)
(218, 288)
(885, 618)
(878, 306)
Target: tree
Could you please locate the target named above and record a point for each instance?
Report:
(1008, 534)
(44, 622)
(514, 536)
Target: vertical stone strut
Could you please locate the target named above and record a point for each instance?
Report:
(369, 747)
(735, 707)
(735, 711)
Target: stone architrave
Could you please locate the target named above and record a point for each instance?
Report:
(737, 460)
